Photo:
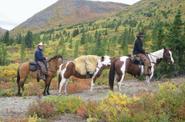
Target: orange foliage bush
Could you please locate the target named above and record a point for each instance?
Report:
(42, 109)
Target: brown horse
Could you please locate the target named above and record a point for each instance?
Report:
(68, 69)
(122, 65)
(24, 70)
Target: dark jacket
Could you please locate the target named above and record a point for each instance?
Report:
(138, 46)
(39, 55)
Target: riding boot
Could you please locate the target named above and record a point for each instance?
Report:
(145, 70)
(38, 75)
(42, 76)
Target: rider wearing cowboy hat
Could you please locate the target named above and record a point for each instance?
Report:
(41, 61)
(140, 52)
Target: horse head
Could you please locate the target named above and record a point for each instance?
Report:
(56, 61)
(167, 55)
(105, 61)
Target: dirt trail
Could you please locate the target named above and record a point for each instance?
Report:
(17, 106)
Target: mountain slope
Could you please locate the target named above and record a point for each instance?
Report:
(65, 12)
(151, 10)
(2, 31)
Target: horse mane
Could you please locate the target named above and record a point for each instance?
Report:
(55, 57)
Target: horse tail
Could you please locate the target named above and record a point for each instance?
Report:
(59, 79)
(59, 75)
(18, 77)
(112, 75)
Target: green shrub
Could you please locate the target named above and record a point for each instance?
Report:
(166, 105)
(65, 104)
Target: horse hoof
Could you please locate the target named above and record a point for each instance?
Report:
(19, 94)
(44, 94)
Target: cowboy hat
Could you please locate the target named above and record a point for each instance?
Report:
(140, 34)
(40, 44)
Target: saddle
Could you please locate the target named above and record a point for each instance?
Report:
(136, 60)
(33, 66)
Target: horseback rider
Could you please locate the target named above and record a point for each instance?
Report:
(41, 62)
(140, 54)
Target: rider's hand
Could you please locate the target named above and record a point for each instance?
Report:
(45, 58)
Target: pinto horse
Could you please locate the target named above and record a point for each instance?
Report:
(67, 70)
(24, 71)
(122, 65)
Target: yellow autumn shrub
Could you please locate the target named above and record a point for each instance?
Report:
(113, 108)
(9, 72)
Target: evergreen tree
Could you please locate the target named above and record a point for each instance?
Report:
(19, 39)
(29, 39)
(83, 38)
(22, 51)
(158, 37)
(177, 43)
(99, 49)
(3, 54)
(124, 41)
(75, 32)
(6, 38)
(76, 49)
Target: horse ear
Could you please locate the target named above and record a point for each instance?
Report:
(102, 58)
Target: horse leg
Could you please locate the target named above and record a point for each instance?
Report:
(147, 79)
(92, 84)
(48, 88)
(45, 89)
(20, 86)
(65, 88)
(19, 90)
(152, 72)
(63, 81)
(116, 80)
(93, 80)
(121, 81)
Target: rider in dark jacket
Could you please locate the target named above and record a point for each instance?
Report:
(140, 52)
(39, 55)
(41, 61)
(138, 46)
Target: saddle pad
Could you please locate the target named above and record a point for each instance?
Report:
(87, 63)
(33, 66)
